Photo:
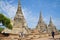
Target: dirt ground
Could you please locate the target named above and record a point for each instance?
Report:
(57, 37)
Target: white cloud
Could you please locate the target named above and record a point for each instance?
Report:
(0, 10)
(57, 22)
(11, 1)
(8, 8)
(31, 20)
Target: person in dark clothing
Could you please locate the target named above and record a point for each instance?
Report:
(53, 33)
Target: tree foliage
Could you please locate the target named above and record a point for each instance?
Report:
(59, 30)
(1, 29)
(5, 21)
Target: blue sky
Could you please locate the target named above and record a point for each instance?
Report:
(31, 10)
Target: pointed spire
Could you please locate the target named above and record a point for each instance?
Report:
(19, 6)
(19, 11)
(19, 3)
(51, 26)
(19, 20)
(40, 14)
(41, 18)
(41, 26)
(50, 20)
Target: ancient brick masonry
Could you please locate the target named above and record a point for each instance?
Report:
(41, 26)
(20, 27)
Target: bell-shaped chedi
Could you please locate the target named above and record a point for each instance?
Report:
(20, 24)
(41, 26)
(51, 27)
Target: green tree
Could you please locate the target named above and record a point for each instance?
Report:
(59, 30)
(1, 29)
(5, 21)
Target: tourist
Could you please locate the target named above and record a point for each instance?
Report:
(53, 33)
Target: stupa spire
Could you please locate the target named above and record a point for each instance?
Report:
(18, 2)
(41, 26)
(19, 20)
(51, 20)
(19, 5)
(51, 27)
(41, 18)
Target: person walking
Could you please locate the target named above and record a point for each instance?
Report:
(53, 33)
